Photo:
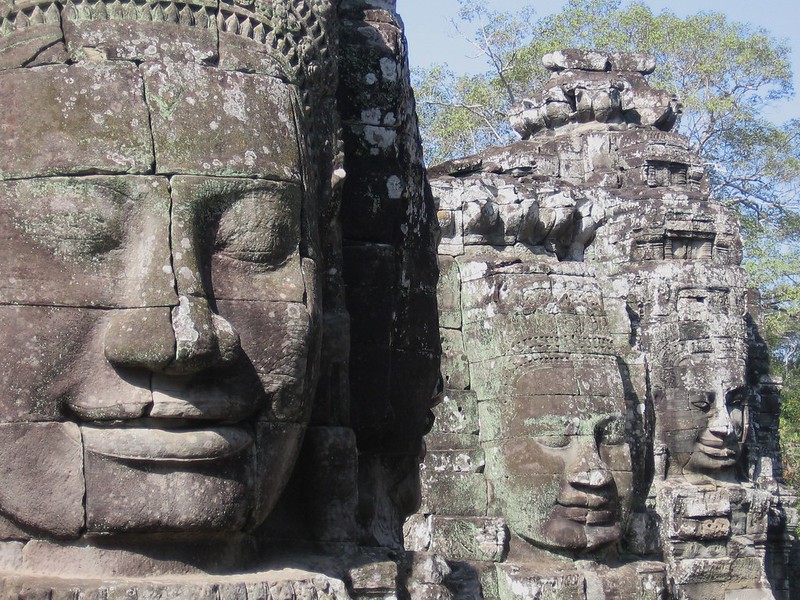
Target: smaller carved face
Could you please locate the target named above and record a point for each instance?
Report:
(705, 414)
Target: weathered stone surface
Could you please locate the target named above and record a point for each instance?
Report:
(180, 320)
(262, 584)
(374, 578)
(87, 241)
(42, 490)
(31, 34)
(242, 53)
(53, 125)
(592, 291)
(329, 461)
(525, 584)
(277, 447)
(462, 538)
(457, 493)
(455, 366)
(457, 413)
(179, 488)
(141, 33)
(249, 121)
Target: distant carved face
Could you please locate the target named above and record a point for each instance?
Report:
(553, 414)
(705, 415)
(159, 322)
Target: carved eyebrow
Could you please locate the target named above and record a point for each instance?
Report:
(556, 424)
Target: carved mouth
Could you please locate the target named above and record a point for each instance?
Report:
(716, 448)
(156, 445)
(587, 516)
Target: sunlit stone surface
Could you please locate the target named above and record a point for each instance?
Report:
(608, 426)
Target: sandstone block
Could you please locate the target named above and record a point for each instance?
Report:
(236, 144)
(44, 108)
(464, 538)
(139, 34)
(524, 583)
(143, 479)
(455, 461)
(30, 39)
(374, 578)
(454, 493)
(42, 474)
(457, 413)
(455, 366)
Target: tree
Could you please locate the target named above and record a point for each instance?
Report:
(725, 73)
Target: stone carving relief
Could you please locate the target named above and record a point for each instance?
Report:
(218, 296)
(147, 267)
(180, 254)
(602, 431)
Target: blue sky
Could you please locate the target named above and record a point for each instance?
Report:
(432, 39)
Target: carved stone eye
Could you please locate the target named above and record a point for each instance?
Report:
(252, 229)
(611, 433)
(735, 398)
(553, 441)
(704, 401)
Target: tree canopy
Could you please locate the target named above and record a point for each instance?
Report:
(725, 73)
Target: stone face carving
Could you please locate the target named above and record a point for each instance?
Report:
(552, 401)
(602, 430)
(182, 249)
(163, 313)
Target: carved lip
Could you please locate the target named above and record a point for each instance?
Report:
(165, 445)
(716, 448)
(587, 516)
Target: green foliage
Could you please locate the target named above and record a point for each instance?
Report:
(725, 73)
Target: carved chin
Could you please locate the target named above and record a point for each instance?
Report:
(566, 534)
(705, 459)
(214, 480)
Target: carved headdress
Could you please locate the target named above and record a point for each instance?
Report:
(295, 34)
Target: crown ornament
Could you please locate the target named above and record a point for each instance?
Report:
(296, 33)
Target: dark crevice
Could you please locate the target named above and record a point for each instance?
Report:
(153, 166)
(85, 527)
(174, 287)
(39, 53)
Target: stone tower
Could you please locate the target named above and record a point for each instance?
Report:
(608, 428)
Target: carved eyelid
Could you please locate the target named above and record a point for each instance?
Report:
(594, 427)
(264, 240)
(553, 441)
(736, 397)
(616, 420)
(83, 227)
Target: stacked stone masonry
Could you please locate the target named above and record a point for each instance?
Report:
(218, 299)
(219, 310)
(608, 428)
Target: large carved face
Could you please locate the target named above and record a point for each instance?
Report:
(158, 315)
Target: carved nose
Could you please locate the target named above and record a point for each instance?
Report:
(593, 478)
(721, 424)
(203, 339)
(181, 340)
(589, 470)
